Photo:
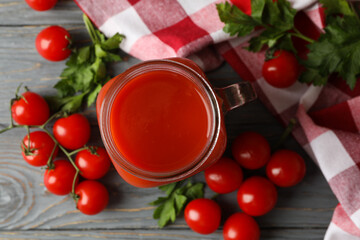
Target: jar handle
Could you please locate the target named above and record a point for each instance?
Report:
(236, 95)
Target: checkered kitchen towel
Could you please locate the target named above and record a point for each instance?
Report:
(329, 116)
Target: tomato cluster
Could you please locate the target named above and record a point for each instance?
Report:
(256, 195)
(40, 148)
(69, 133)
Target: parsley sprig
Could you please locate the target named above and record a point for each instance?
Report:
(337, 51)
(86, 72)
(178, 194)
(274, 19)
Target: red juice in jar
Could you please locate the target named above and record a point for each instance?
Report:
(161, 122)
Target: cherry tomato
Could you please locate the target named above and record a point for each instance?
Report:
(241, 226)
(41, 5)
(93, 197)
(203, 215)
(41, 147)
(224, 176)
(30, 109)
(286, 168)
(257, 196)
(52, 43)
(93, 163)
(72, 132)
(282, 71)
(60, 179)
(251, 150)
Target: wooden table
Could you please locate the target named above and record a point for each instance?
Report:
(28, 211)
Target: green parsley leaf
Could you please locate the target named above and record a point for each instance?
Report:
(236, 22)
(336, 51)
(337, 7)
(177, 196)
(275, 18)
(86, 72)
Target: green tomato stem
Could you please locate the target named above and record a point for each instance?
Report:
(302, 36)
(28, 135)
(51, 156)
(62, 149)
(78, 150)
(73, 185)
(58, 114)
(6, 129)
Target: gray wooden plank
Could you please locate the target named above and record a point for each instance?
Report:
(270, 234)
(17, 12)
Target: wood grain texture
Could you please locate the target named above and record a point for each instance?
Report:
(18, 13)
(28, 211)
(270, 234)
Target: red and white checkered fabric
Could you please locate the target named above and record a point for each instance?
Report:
(329, 116)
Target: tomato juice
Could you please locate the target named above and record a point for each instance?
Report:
(161, 122)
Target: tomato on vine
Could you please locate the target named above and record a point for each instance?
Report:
(224, 176)
(93, 163)
(52, 43)
(257, 196)
(41, 5)
(38, 150)
(59, 179)
(73, 131)
(30, 109)
(282, 70)
(286, 168)
(241, 226)
(251, 150)
(203, 215)
(92, 197)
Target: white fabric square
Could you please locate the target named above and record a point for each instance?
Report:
(283, 98)
(218, 36)
(310, 96)
(355, 217)
(128, 23)
(192, 6)
(336, 233)
(331, 154)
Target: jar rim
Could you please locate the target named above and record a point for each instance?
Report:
(105, 111)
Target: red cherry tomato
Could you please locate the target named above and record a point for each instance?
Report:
(41, 147)
(282, 71)
(224, 176)
(203, 215)
(52, 43)
(60, 179)
(93, 163)
(30, 109)
(286, 168)
(251, 150)
(257, 196)
(72, 132)
(41, 5)
(241, 226)
(93, 197)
